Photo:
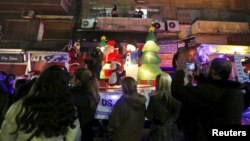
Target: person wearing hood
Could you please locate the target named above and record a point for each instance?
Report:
(127, 117)
(216, 102)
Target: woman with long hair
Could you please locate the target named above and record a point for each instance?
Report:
(86, 97)
(45, 114)
(163, 110)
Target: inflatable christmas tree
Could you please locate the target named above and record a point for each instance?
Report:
(102, 46)
(103, 43)
(150, 60)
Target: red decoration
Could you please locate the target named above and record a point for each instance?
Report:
(75, 58)
(107, 72)
(148, 82)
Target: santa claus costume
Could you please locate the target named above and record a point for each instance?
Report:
(109, 54)
(74, 57)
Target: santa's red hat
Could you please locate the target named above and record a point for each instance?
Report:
(111, 43)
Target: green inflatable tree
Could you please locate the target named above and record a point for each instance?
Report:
(102, 46)
(150, 60)
(103, 43)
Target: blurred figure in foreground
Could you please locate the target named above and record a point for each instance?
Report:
(46, 114)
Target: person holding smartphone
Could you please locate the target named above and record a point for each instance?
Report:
(217, 93)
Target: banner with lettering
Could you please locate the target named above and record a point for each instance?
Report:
(169, 48)
(49, 57)
(12, 58)
(108, 100)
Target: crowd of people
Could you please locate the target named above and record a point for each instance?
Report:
(47, 108)
(131, 12)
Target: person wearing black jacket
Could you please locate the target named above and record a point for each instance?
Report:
(217, 102)
(246, 89)
(85, 97)
(127, 117)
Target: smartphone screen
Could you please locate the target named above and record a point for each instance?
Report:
(190, 66)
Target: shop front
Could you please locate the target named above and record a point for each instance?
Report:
(13, 61)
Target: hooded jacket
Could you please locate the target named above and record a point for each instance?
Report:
(127, 118)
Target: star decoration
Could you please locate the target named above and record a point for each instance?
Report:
(151, 29)
(104, 38)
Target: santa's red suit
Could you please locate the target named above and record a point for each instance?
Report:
(74, 57)
(109, 54)
(110, 51)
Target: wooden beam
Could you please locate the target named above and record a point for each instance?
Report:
(55, 17)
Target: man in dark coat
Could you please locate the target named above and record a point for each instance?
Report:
(128, 114)
(217, 102)
(127, 118)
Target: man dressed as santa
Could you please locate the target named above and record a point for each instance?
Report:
(74, 57)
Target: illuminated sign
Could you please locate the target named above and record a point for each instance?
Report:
(13, 58)
(189, 42)
(168, 48)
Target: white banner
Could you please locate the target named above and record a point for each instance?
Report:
(108, 100)
(49, 57)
